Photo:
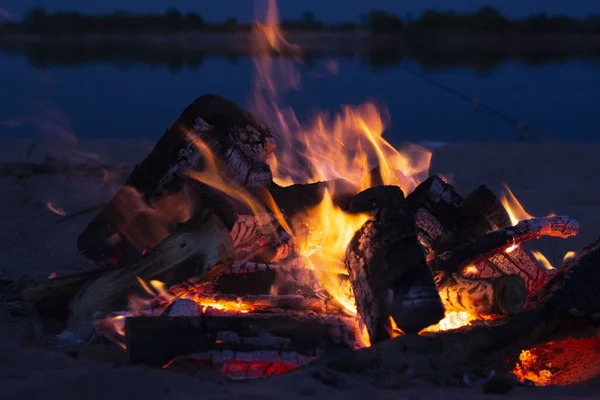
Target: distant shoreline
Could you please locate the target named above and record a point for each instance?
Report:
(177, 49)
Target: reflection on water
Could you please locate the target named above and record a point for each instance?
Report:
(120, 95)
(427, 55)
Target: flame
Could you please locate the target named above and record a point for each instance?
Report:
(528, 368)
(54, 209)
(452, 320)
(569, 255)
(470, 270)
(542, 260)
(513, 208)
(331, 231)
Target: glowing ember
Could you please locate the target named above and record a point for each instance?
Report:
(470, 269)
(452, 320)
(528, 369)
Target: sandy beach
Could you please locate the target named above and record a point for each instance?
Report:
(546, 178)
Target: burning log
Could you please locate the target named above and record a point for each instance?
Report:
(482, 248)
(446, 220)
(568, 306)
(231, 133)
(271, 303)
(387, 267)
(503, 295)
(311, 194)
(157, 340)
(202, 248)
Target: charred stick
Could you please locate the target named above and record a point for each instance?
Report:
(502, 240)
(157, 340)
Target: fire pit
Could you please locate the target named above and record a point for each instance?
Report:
(204, 258)
(334, 252)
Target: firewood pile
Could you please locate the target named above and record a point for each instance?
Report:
(192, 269)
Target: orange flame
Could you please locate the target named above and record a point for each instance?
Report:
(543, 261)
(527, 368)
(569, 255)
(513, 208)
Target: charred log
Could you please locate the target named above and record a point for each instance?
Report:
(503, 295)
(297, 198)
(271, 303)
(387, 268)
(230, 132)
(202, 249)
(157, 340)
(446, 221)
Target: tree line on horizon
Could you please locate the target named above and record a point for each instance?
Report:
(486, 20)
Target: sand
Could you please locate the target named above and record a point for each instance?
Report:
(545, 177)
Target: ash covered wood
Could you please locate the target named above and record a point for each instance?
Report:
(387, 267)
(231, 133)
(446, 221)
(157, 340)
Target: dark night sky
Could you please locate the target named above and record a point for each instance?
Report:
(325, 10)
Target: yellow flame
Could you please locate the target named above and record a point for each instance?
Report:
(569, 255)
(331, 231)
(470, 269)
(513, 208)
(452, 320)
(542, 260)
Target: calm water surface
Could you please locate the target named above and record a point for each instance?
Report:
(562, 101)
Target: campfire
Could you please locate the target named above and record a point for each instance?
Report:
(261, 250)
